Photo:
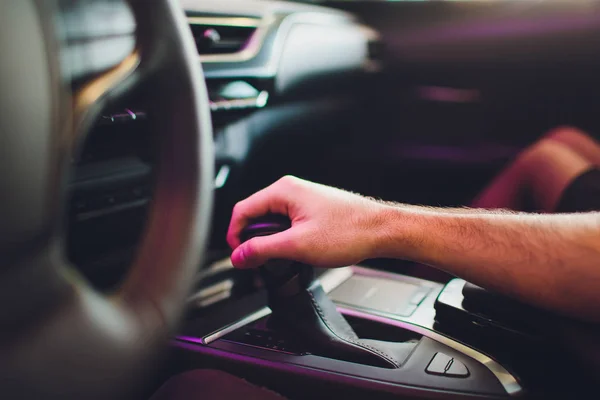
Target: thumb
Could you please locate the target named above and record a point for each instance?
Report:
(256, 251)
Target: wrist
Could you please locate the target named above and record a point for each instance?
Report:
(399, 232)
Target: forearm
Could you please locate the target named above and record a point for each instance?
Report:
(552, 261)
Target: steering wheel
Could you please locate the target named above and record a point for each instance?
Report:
(62, 61)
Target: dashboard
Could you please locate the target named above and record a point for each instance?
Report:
(270, 69)
(256, 56)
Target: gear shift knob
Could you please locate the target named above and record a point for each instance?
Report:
(267, 225)
(281, 277)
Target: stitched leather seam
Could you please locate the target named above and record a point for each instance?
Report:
(362, 345)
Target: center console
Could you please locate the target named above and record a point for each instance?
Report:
(455, 350)
(379, 306)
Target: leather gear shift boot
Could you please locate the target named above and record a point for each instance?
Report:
(301, 308)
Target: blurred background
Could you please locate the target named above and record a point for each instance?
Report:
(412, 101)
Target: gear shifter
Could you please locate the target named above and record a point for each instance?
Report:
(301, 307)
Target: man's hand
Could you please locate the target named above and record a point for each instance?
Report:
(547, 260)
(330, 227)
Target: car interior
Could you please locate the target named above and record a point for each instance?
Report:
(131, 128)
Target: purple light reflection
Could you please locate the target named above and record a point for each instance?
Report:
(501, 29)
(470, 154)
(191, 339)
(293, 369)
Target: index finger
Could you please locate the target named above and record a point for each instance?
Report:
(270, 200)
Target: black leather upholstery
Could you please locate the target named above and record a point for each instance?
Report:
(313, 319)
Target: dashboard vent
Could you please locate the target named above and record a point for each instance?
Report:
(221, 39)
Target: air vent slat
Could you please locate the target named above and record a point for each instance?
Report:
(221, 39)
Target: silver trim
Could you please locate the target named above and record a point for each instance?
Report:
(263, 312)
(240, 104)
(330, 280)
(508, 381)
(214, 268)
(247, 22)
(452, 293)
(255, 316)
(255, 41)
(212, 294)
(222, 176)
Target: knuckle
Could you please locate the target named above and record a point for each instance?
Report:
(539, 151)
(566, 134)
(238, 208)
(547, 146)
(561, 131)
(289, 180)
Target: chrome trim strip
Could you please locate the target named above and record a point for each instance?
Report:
(255, 41)
(508, 381)
(240, 104)
(263, 312)
(246, 22)
(98, 87)
(255, 316)
(214, 268)
(330, 280)
(219, 290)
(222, 176)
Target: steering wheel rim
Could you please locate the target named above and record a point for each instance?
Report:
(60, 338)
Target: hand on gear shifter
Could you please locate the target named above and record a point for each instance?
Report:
(281, 277)
(300, 306)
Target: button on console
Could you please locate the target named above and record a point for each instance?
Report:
(438, 364)
(457, 370)
(442, 364)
